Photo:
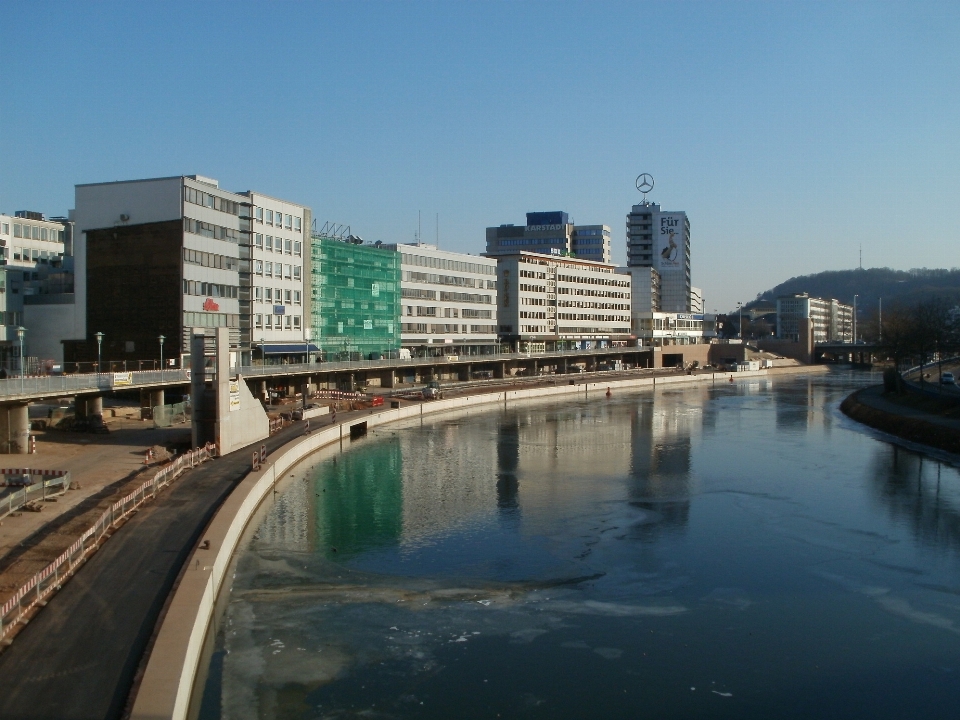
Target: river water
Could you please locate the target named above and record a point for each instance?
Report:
(732, 551)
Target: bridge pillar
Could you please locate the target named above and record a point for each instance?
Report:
(500, 370)
(14, 429)
(388, 379)
(262, 385)
(464, 372)
(156, 398)
(95, 405)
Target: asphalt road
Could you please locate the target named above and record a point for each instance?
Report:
(77, 658)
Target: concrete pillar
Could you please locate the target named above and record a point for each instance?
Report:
(156, 398)
(465, 372)
(14, 429)
(500, 370)
(263, 391)
(95, 405)
(388, 380)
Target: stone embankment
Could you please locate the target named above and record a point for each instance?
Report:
(870, 407)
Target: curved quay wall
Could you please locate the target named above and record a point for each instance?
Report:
(167, 683)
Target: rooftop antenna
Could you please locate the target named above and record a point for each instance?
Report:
(645, 184)
(438, 231)
(419, 234)
(861, 256)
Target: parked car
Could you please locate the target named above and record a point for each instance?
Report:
(947, 379)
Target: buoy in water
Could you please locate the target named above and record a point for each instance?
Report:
(609, 393)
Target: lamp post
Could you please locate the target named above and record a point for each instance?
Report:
(99, 337)
(21, 331)
(263, 352)
(740, 325)
(161, 338)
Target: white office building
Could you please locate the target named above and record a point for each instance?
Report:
(448, 301)
(280, 277)
(547, 303)
(661, 240)
(36, 290)
(661, 329)
(832, 321)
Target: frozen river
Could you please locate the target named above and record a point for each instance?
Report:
(737, 551)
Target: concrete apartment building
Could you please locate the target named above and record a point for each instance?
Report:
(448, 301)
(548, 303)
(661, 240)
(832, 321)
(164, 255)
(550, 233)
(36, 289)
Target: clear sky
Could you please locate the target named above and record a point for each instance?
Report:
(791, 133)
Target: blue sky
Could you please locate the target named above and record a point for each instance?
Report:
(791, 133)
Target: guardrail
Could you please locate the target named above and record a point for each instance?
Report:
(52, 576)
(17, 499)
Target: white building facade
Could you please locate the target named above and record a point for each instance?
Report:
(660, 329)
(832, 321)
(448, 301)
(548, 303)
(279, 276)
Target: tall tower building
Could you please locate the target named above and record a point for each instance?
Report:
(661, 240)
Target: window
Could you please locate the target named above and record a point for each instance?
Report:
(287, 321)
(6, 228)
(287, 271)
(258, 267)
(258, 293)
(259, 240)
(296, 297)
(296, 272)
(36, 232)
(43, 233)
(258, 213)
(270, 242)
(268, 321)
(297, 247)
(17, 230)
(296, 322)
(288, 246)
(288, 224)
(258, 321)
(286, 297)
(269, 217)
(269, 271)
(269, 293)
(296, 224)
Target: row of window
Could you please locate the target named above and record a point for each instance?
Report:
(466, 297)
(41, 256)
(208, 289)
(278, 244)
(588, 280)
(533, 288)
(276, 322)
(217, 232)
(591, 233)
(597, 305)
(277, 219)
(445, 264)
(592, 293)
(446, 328)
(271, 295)
(594, 330)
(210, 319)
(224, 262)
(531, 241)
(418, 294)
(533, 301)
(532, 274)
(279, 270)
(33, 232)
(595, 318)
(411, 276)
(534, 315)
(198, 197)
(577, 241)
(11, 318)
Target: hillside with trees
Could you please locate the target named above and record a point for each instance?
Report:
(897, 288)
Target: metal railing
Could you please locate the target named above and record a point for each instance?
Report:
(53, 575)
(13, 501)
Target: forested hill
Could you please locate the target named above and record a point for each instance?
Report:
(895, 287)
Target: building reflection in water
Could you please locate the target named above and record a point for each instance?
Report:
(660, 467)
(801, 407)
(508, 463)
(920, 492)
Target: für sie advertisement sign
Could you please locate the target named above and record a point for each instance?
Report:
(670, 240)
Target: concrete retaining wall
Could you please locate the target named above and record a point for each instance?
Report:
(164, 692)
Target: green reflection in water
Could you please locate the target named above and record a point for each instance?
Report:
(360, 503)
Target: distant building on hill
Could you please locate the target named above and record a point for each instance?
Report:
(832, 320)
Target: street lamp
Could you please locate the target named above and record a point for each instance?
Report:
(740, 326)
(99, 337)
(263, 352)
(21, 331)
(161, 338)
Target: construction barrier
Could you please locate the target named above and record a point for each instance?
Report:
(51, 577)
(52, 482)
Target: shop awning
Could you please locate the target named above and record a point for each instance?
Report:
(287, 348)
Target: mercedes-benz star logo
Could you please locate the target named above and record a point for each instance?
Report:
(645, 183)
